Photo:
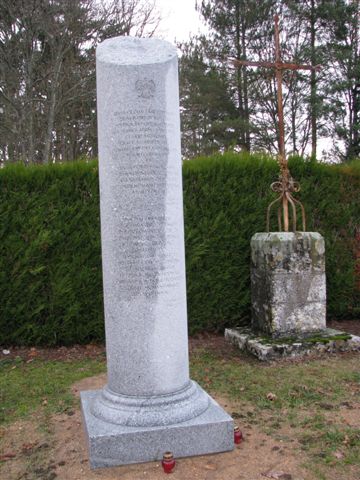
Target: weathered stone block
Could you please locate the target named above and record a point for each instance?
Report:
(288, 283)
(267, 349)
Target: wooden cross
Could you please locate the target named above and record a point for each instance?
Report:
(286, 184)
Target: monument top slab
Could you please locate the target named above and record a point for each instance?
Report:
(135, 51)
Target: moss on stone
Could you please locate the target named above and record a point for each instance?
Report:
(325, 339)
(278, 341)
(312, 339)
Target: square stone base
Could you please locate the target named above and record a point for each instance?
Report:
(266, 349)
(288, 285)
(110, 445)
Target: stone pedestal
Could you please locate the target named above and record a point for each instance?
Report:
(149, 405)
(288, 285)
(289, 300)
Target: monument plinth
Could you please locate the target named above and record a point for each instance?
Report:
(149, 405)
(288, 293)
(288, 285)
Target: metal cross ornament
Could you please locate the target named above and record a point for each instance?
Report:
(286, 184)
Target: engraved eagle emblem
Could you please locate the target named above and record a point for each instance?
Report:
(145, 88)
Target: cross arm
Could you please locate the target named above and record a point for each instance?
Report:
(249, 63)
(294, 66)
(278, 65)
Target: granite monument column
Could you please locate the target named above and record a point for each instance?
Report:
(149, 395)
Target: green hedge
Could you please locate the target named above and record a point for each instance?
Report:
(50, 280)
(226, 198)
(50, 263)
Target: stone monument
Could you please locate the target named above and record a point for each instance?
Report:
(288, 287)
(149, 405)
(288, 296)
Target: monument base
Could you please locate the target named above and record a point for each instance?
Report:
(266, 349)
(288, 286)
(110, 444)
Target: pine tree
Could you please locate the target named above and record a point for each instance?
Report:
(236, 27)
(209, 116)
(344, 90)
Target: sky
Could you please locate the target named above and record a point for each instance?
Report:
(179, 19)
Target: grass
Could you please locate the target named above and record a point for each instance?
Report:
(295, 385)
(307, 400)
(28, 387)
(306, 404)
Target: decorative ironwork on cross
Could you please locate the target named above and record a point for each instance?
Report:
(286, 185)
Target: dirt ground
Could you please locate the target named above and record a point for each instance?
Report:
(65, 458)
(350, 326)
(78, 352)
(57, 450)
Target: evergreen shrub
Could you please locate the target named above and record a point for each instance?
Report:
(50, 257)
(50, 272)
(226, 197)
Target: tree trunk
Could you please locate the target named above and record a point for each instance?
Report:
(313, 83)
(354, 149)
(356, 126)
(52, 105)
(29, 106)
(293, 126)
(245, 83)
(239, 83)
